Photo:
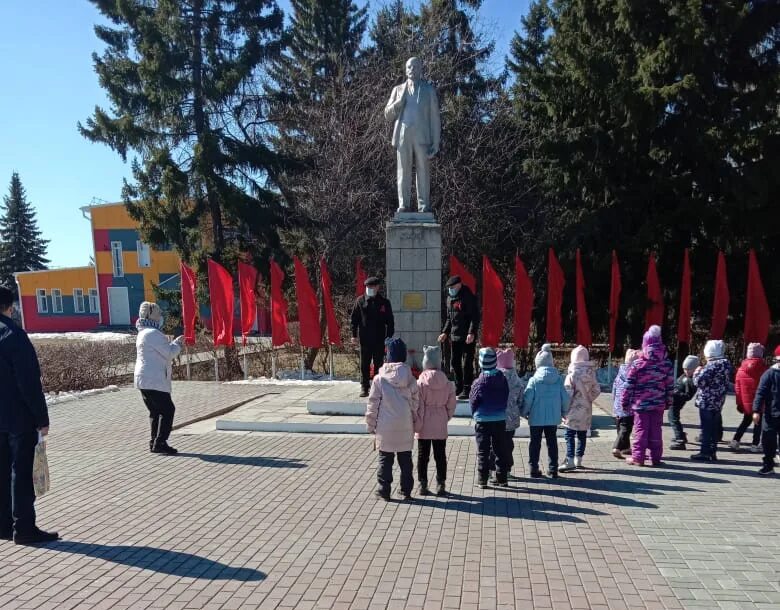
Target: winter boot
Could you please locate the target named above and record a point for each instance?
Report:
(568, 464)
(164, 449)
(677, 445)
(423, 491)
(441, 491)
(578, 462)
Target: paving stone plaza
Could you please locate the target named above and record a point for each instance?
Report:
(279, 520)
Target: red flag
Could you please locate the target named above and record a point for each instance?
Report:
(555, 284)
(684, 323)
(757, 315)
(655, 298)
(334, 333)
(221, 296)
(616, 287)
(457, 268)
(720, 305)
(308, 310)
(493, 305)
(584, 336)
(279, 333)
(524, 304)
(189, 307)
(360, 277)
(247, 281)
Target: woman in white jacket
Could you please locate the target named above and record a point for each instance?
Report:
(153, 374)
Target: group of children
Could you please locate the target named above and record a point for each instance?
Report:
(401, 408)
(643, 389)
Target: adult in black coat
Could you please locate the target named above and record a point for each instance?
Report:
(461, 328)
(23, 416)
(372, 323)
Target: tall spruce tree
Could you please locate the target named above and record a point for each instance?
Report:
(656, 125)
(182, 79)
(21, 246)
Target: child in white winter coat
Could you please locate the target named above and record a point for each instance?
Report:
(582, 386)
(392, 416)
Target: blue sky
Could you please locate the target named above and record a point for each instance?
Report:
(48, 85)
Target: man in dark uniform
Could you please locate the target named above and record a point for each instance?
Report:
(372, 323)
(23, 417)
(461, 328)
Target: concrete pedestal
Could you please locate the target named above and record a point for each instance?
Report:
(414, 279)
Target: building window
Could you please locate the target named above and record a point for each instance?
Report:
(78, 300)
(56, 300)
(43, 305)
(94, 302)
(144, 255)
(116, 259)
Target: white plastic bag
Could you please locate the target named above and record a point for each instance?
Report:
(41, 480)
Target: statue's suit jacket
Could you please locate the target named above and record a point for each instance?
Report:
(428, 132)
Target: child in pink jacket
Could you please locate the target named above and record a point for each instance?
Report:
(437, 407)
(391, 415)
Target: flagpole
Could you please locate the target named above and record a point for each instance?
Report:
(330, 360)
(273, 362)
(187, 360)
(216, 364)
(246, 367)
(302, 364)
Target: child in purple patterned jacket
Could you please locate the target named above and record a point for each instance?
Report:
(647, 393)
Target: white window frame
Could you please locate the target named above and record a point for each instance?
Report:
(56, 294)
(78, 300)
(94, 301)
(117, 262)
(41, 302)
(144, 254)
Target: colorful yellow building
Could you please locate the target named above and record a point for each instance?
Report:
(108, 294)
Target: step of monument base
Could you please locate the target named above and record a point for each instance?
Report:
(340, 424)
(357, 407)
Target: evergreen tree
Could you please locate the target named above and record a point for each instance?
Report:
(182, 79)
(21, 247)
(655, 124)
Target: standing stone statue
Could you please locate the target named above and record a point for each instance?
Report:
(414, 107)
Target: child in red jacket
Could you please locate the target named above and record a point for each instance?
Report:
(745, 386)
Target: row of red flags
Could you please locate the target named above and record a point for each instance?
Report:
(757, 315)
(221, 296)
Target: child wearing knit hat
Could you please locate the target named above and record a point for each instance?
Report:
(745, 386)
(684, 390)
(488, 399)
(392, 417)
(582, 386)
(545, 402)
(624, 419)
(712, 384)
(505, 360)
(437, 407)
(648, 393)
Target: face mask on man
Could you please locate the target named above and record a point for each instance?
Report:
(370, 292)
(453, 290)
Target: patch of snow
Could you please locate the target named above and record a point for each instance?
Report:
(293, 377)
(80, 336)
(56, 398)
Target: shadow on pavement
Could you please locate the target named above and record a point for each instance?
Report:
(532, 510)
(748, 469)
(162, 561)
(247, 460)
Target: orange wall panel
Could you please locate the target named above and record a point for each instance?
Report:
(64, 279)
